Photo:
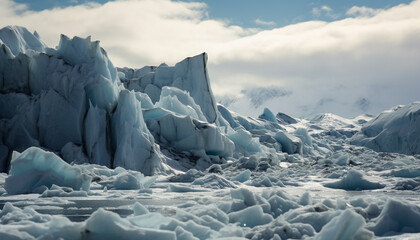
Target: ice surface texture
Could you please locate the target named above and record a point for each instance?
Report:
(72, 101)
(355, 180)
(35, 168)
(396, 130)
(397, 217)
(189, 75)
(19, 39)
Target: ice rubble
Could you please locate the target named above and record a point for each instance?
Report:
(245, 215)
(396, 130)
(39, 171)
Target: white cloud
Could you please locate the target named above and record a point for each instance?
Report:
(265, 23)
(374, 58)
(316, 12)
(134, 32)
(363, 11)
(324, 11)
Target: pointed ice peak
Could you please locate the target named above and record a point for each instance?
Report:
(268, 115)
(36, 34)
(78, 51)
(19, 39)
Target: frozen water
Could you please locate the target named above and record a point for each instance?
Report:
(180, 102)
(250, 217)
(108, 225)
(57, 191)
(397, 217)
(19, 39)
(189, 75)
(268, 115)
(348, 225)
(213, 181)
(144, 100)
(132, 142)
(355, 180)
(184, 133)
(289, 143)
(396, 130)
(244, 139)
(216, 174)
(95, 135)
(243, 176)
(35, 168)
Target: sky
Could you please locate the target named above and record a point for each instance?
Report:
(297, 57)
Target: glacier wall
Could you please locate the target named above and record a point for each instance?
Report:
(52, 97)
(72, 100)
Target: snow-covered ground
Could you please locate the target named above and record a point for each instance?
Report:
(91, 151)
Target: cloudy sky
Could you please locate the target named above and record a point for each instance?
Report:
(298, 57)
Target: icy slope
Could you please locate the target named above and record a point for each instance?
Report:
(396, 130)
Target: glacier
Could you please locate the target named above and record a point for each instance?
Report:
(93, 151)
(396, 130)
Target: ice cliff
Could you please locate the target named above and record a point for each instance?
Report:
(71, 100)
(55, 98)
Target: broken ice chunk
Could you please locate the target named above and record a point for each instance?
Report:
(355, 180)
(35, 167)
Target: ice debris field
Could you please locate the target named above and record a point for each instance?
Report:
(91, 151)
